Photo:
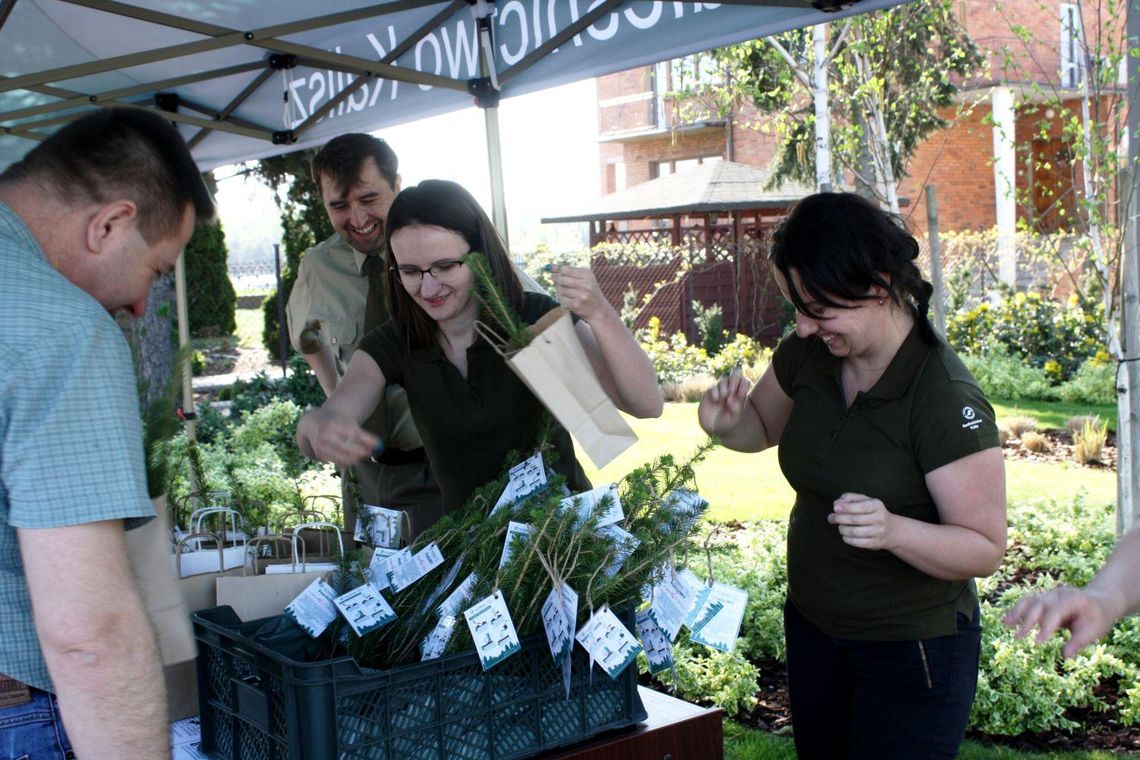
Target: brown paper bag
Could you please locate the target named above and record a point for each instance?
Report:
(556, 369)
(148, 547)
(165, 598)
(259, 595)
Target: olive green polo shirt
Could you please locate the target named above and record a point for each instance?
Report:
(924, 412)
(469, 425)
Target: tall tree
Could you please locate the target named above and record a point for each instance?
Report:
(303, 221)
(890, 73)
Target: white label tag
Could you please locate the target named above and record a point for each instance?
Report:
(364, 609)
(658, 650)
(506, 498)
(672, 601)
(609, 642)
(625, 543)
(514, 530)
(421, 563)
(719, 612)
(688, 505)
(585, 503)
(559, 616)
(457, 599)
(384, 560)
(383, 527)
(435, 643)
(313, 609)
(492, 630)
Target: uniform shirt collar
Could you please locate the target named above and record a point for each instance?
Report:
(358, 258)
(899, 373)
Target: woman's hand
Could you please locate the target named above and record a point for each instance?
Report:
(579, 292)
(722, 405)
(863, 521)
(330, 436)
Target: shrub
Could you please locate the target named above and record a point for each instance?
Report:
(1035, 442)
(1004, 435)
(1017, 426)
(1032, 328)
(688, 390)
(706, 675)
(210, 295)
(1093, 383)
(1069, 541)
(1003, 376)
(744, 353)
(1025, 686)
(673, 359)
(710, 323)
(1089, 440)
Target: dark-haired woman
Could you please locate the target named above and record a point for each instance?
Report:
(470, 408)
(893, 453)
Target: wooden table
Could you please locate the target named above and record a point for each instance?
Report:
(674, 730)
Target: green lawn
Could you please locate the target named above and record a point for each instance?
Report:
(745, 487)
(1051, 414)
(744, 743)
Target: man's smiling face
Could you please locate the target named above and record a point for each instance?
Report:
(358, 212)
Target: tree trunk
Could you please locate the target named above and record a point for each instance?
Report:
(152, 339)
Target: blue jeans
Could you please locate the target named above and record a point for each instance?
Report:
(34, 731)
(879, 699)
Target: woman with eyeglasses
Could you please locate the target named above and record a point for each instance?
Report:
(469, 406)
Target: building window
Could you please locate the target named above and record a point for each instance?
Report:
(1072, 46)
(659, 169)
(615, 176)
(694, 72)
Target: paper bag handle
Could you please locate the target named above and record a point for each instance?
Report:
(320, 527)
(494, 340)
(274, 540)
(199, 537)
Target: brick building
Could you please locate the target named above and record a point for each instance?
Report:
(643, 138)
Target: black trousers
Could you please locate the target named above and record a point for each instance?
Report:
(879, 699)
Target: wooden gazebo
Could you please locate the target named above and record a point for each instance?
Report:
(716, 218)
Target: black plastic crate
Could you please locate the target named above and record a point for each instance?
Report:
(258, 705)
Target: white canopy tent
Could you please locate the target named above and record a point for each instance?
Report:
(247, 79)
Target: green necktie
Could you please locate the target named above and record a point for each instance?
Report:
(374, 306)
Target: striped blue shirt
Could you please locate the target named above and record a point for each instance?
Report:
(70, 437)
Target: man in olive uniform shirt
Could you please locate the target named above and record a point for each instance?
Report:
(332, 306)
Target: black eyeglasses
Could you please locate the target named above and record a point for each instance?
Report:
(440, 270)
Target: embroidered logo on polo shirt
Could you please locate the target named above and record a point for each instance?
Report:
(971, 417)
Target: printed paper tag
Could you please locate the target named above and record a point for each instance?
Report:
(506, 498)
(528, 477)
(435, 643)
(671, 602)
(609, 642)
(313, 609)
(720, 611)
(457, 599)
(585, 503)
(525, 478)
(384, 560)
(514, 530)
(421, 563)
(383, 527)
(625, 543)
(444, 584)
(658, 650)
(559, 615)
(688, 505)
(492, 630)
(364, 609)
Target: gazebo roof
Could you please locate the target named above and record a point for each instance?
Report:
(719, 186)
